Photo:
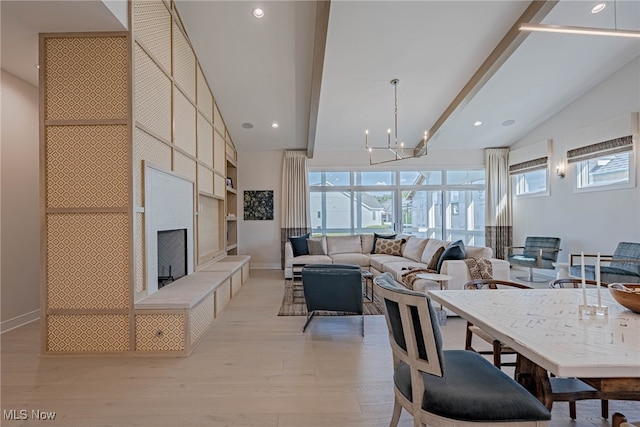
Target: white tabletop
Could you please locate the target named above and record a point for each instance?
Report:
(434, 276)
(544, 326)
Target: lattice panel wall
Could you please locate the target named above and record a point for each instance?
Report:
(81, 333)
(217, 119)
(87, 166)
(205, 180)
(146, 147)
(138, 263)
(205, 100)
(219, 160)
(153, 30)
(205, 141)
(184, 63)
(184, 129)
(152, 95)
(160, 332)
(184, 166)
(90, 75)
(201, 317)
(87, 260)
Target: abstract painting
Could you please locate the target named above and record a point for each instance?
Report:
(258, 205)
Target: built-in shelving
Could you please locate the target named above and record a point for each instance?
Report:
(231, 214)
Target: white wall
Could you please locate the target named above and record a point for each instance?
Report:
(20, 235)
(593, 221)
(260, 170)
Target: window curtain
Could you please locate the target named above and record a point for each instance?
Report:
(295, 198)
(498, 221)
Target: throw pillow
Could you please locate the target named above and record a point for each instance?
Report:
(433, 264)
(454, 251)
(389, 246)
(299, 245)
(377, 236)
(315, 247)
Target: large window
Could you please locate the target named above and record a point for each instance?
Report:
(531, 183)
(448, 205)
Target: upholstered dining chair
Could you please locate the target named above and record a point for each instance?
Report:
(537, 252)
(446, 387)
(332, 287)
(572, 283)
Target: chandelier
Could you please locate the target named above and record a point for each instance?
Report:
(396, 150)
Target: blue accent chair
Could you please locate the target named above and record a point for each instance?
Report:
(537, 252)
(624, 265)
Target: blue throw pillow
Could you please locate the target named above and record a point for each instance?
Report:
(299, 245)
(454, 251)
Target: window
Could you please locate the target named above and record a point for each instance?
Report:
(435, 204)
(605, 165)
(611, 170)
(530, 178)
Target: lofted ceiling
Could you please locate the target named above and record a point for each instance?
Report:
(262, 70)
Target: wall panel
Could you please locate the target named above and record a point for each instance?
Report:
(184, 123)
(153, 30)
(152, 104)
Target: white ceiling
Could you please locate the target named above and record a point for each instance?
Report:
(260, 70)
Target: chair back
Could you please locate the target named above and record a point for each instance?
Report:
(627, 250)
(414, 333)
(532, 246)
(333, 288)
(493, 284)
(571, 283)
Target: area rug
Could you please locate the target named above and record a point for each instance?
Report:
(293, 303)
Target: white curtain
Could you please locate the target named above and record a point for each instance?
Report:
(498, 220)
(295, 198)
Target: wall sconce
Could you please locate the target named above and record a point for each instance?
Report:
(560, 170)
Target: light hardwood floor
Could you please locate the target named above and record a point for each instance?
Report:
(253, 368)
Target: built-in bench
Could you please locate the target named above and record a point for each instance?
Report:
(173, 320)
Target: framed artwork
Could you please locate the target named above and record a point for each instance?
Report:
(258, 205)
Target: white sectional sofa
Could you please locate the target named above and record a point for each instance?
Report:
(415, 253)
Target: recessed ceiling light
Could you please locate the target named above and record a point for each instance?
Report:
(275, 125)
(477, 123)
(599, 7)
(508, 122)
(258, 13)
(247, 125)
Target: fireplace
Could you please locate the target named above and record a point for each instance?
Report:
(172, 255)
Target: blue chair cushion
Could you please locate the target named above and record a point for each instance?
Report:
(608, 274)
(627, 250)
(473, 390)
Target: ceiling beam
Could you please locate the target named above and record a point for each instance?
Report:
(536, 11)
(319, 45)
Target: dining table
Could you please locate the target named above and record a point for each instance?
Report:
(553, 336)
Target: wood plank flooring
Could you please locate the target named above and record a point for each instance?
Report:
(253, 368)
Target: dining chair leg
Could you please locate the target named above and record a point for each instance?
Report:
(468, 338)
(363, 324)
(497, 354)
(572, 410)
(604, 408)
(397, 410)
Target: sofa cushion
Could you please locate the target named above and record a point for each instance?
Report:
(478, 252)
(344, 244)
(430, 249)
(433, 263)
(378, 260)
(399, 267)
(308, 259)
(299, 244)
(367, 243)
(389, 246)
(316, 246)
(454, 251)
(413, 248)
(377, 236)
(358, 259)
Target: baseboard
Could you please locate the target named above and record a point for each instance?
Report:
(18, 321)
(265, 266)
